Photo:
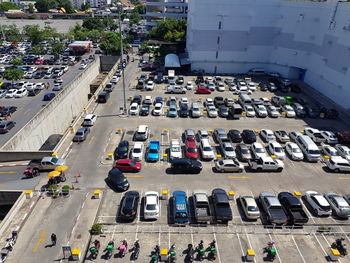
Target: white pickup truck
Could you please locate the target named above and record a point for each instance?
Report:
(266, 163)
(46, 163)
(176, 89)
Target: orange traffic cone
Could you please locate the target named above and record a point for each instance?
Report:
(76, 180)
(79, 174)
(72, 188)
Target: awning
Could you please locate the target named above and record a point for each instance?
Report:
(172, 61)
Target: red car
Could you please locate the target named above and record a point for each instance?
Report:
(203, 90)
(343, 137)
(39, 61)
(127, 165)
(191, 150)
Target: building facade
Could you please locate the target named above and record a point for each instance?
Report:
(160, 9)
(309, 40)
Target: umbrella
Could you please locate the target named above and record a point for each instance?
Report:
(61, 168)
(53, 174)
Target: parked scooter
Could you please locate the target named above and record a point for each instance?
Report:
(3, 255)
(95, 249)
(109, 249)
(155, 254)
(122, 249)
(338, 244)
(172, 254)
(271, 251)
(190, 253)
(200, 251)
(135, 250)
(212, 251)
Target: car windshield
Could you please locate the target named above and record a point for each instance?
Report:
(244, 151)
(260, 150)
(192, 150)
(224, 110)
(181, 215)
(296, 150)
(207, 149)
(176, 149)
(133, 108)
(150, 207)
(333, 153)
(137, 150)
(132, 163)
(54, 160)
(153, 151)
(347, 152)
(79, 133)
(228, 149)
(252, 209)
(278, 149)
(122, 149)
(314, 151)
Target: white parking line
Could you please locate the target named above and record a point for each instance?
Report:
(318, 241)
(296, 245)
(240, 244)
(329, 245)
(217, 246)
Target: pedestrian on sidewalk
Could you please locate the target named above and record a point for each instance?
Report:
(53, 239)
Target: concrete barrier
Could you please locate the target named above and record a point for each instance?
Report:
(12, 156)
(57, 115)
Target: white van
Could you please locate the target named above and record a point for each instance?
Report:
(244, 99)
(257, 72)
(309, 148)
(89, 120)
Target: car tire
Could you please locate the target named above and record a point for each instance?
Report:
(240, 171)
(336, 170)
(259, 170)
(279, 169)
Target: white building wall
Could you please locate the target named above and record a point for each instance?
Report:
(278, 35)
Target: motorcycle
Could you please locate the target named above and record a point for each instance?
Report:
(135, 250)
(95, 249)
(190, 252)
(172, 254)
(3, 255)
(155, 255)
(109, 249)
(271, 251)
(212, 251)
(338, 244)
(122, 249)
(200, 251)
(31, 172)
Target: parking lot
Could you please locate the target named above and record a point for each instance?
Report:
(293, 244)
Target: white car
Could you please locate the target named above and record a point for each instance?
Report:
(134, 108)
(58, 80)
(294, 135)
(338, 164)
(282, 136)
(31, 86)
(273, 112)
(229, 165)
(220, 86)
(261, 111)
(137, 151)
(211, 86)
(10, 93)
(148, 100)
(329, 137)
(242, 86)
(206, 150)
(276, 149)
(209, 101)
(315, 135)
(21, 93)
(151, 205)
(57, 87)
(258, 150)
(250, 112)
(344, 151)
(227, 150)
(294, 151)
(289, 111)
(249, 206)
(212, 111)
(158, 109)
(252, 86)
(175, 149)
(83, 66)
(150, 85)
(184, 101)
(28, 75)
(233, 87)
(267, 135)
(189, 85)
(318, 203)
(40, 86)
(203, 134)
(115, 79)
(330, 151)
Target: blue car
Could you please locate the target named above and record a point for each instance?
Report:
(49, 96)
(180, 207)
(152, 154)
(158, 100)
(172, 111)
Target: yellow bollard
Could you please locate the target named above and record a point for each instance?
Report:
(250, 255)
(97, 194)
(109, 156)
(297, 193)
(29, 194)
(164, 195)
(76, 254)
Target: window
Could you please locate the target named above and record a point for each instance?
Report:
(218, 40)
(219, 25)
(217, 54)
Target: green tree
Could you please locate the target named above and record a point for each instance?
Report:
(110, 43)
(5, 6)
(84, 6)
(43, 6)
(13, 74)
(140, 9)
(170, 29)
(12, 33)
(66, 4)
(91, 23)
(144, 47)
(57, 48)
(34, 33)
(31, 8)
(16, 62)
(134, 17)
(37, 50)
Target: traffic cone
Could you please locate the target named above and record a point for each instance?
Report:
(79, 174)
(72, 188)
(76, 180)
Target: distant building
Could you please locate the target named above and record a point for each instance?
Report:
(77, 3)
(16, 2)
(160, 9)
(100, 4)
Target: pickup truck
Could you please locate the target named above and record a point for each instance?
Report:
(152, 154)
(221, 205)
(266, 163)
(293, 208)
(201, 206)
(273, 208)
(175, 90)
(46, 163)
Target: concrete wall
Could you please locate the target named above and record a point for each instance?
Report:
(57, 115)
(107, 62)
(11, 156)
(229, 36)
(12, 213)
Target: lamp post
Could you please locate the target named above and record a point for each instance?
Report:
(120, 6)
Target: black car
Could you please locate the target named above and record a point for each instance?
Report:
(144, 111)
(81, 134)
(121, 152)
(293, 208)
(34, 92)
(5, 126)
(264, 87)
(184, 111)
(223, 111)
(102, 97)
(159, 79)
(248, 136)
(235, 135)
(117, 180)
(221, 205)
(38, 74)
(311, 112)
(129, 205)
(7, 111)
(137, 99)
(184, 165)
(218, 101)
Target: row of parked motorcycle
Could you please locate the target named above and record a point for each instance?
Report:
(10, 242)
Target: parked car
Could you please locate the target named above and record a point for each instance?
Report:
(172, 111)
(49, 96)
(203, 134)
(144, 111)
(243, 152)
(195, 110)
(330, 151)
(314, 134)
(276, 149)
(81, 134)
(189, 135)
(201, 206)
(180, 207)
(6, 111)
(152, 153)
(266, 164)
(229, 165)
(127, 165)
(249, 110)
(338, 165)
(186, 165)
(122, 150)
(272, 111)
(344, 151)
(158, 110)
(267, 135)
(249, 206)
(329, 137)
(207, 152)
(6, 126)
(261, 111)
(137, 151)
(248, 136)
(273, 208)
(175, 149)
(343, 137)
(222, 209)
(184, 111)
(134, 109)
(294, 151)
(151, 205)
(294, 135)
(235, 136)
(220, 135)
(293, 208)
(117, 180)
(129, 205)
(318, 203)
(142, 133)
(212, 112)
(258, 150)
(191, 150)
(338, 204)
(281, 136)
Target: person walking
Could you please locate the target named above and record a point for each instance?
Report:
(53, 239)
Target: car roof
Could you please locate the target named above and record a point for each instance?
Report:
(250, 200)
(142, 128)
(227, 161)
(321, 200)
(340, 200)
(138, 144)
(123, 161)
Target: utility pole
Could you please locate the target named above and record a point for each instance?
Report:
(120, 6)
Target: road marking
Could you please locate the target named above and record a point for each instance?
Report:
(296, 245)
(110, 103)
(217, 245)
(42, 239)
(7, 172)
(343, 178)
(92, 138)
(134, 176)
(240, 244)
(239, 177)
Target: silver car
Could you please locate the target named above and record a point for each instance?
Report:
(229, 165)
(318, 203)
(338, 204)
(249, 206)
(227, 150)
(195, 110)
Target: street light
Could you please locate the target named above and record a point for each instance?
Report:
(120, 6)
